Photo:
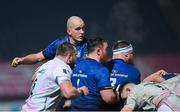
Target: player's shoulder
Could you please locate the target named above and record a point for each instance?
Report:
(94, 63)
(63, 38)
(63, 65)
(118, 63)
(81, 62)
(132, 68)
(101, 68)
(91, 63)
(62, 68)
(59, 64)
(136, 70)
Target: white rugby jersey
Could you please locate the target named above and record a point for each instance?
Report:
(45, 93)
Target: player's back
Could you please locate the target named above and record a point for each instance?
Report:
(122, 72)
(95, 76)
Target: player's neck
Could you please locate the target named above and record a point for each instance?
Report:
(93, 56)
(118, 57)
(62, 58)
(72, 41)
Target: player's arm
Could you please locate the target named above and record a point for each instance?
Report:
(155, 77)
(48, 53)
(29, 59)
(131, 102)
(108, 96)
(106, 91)
(126, 109)
(71, 92)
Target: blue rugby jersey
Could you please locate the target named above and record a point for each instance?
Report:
(93, 75)
(120, 73)
(50, 51)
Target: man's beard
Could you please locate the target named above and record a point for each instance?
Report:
(104, 59)
(130, 61)
(72, 65)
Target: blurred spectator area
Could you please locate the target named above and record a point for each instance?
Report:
(149, 64)
(15, 82)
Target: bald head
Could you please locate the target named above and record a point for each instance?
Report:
(74, 21)
(125, 89)
(75, 29)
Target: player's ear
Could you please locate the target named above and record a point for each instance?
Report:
(126, 55)
(99, 51)
(68, 57)
(68, 31)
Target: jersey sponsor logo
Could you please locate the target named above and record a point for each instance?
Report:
(65, 71)
(80, 74)
(120, 75)
(115, 73)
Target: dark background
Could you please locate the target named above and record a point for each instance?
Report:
(27, 26)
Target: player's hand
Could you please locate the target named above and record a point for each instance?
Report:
(157, 76)
(84, 90)
(16, 61)
(67, 104)
(161, 72)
